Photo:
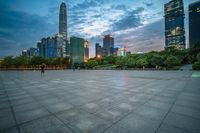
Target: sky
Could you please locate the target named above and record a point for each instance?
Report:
(136, 24)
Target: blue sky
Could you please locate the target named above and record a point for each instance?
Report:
(136, 24)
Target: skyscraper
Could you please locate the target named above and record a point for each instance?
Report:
(51, 49)
(174, 24)
(194, 23)
(108, 45)
(77, 50)
(59, 42)
(63, 20)
(98, 50)
(86, 50)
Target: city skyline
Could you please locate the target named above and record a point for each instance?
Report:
(131, 26)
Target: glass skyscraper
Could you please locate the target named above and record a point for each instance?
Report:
(63, 27)
(77, 50)
(98, 51)
(174, 24)
(194, 23)
(63, 20)
(108, 45)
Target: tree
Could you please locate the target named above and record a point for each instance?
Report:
(37, 60)
(110, 59)
(156, 60)
(118, 61)
(92, 63)
(172, 61)
(7, 62)
(193, 52)
(21, 61)
(141, 62)
(131, 62)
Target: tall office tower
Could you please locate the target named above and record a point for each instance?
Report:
(63, 20)
(68, 48)
(33, 52)
(86, 50)
(77, 50)
(39, 47)
(44, 47)
(194, 24)
(108, 45)
(51, 49)
(98, 50)
(59, 42)
(63, 26)
(174, 24)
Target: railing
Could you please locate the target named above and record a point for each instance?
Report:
(36, 68)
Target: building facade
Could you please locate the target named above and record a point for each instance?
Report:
(98, 51)
(108, 45)
(86, 50)
(174, 24)
(123, 51)
(25, 52)
(119, 51)
(77, 50)
(30, 52)
(59, 42)
(51, 47)
(194, 24)
(63, 27)
(39, 47)
(63, 20)
(44, 47)
(33, 52)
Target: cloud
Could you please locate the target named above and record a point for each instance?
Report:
(20, 30)
(133, 23)
(144, 39)
(130, 20)
(148, 4)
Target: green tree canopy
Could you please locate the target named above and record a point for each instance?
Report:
(172, 61)
(141, 62)
(156, 60)
(92, 63)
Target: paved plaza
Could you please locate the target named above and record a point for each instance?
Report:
(100, 102)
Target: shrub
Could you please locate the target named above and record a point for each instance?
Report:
(196, 66)
(198, 58)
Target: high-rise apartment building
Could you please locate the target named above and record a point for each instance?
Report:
(194, 24)
(174, 24)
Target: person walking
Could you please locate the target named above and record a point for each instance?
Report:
(42, 69)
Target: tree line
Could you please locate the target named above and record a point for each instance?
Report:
(170, 58)
(26, 62)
